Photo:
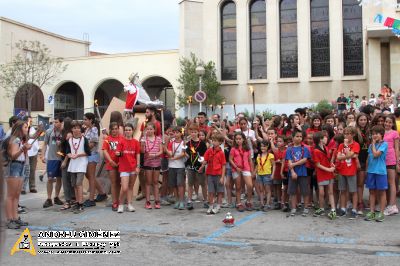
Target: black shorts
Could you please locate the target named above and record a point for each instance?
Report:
(285, 181)
(391, 167)
(151, 168)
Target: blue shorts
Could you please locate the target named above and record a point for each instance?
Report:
(376, 182)
(94, 158)
(15, 169)
(264, 179)
(53, 168)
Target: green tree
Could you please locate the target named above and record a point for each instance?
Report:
(189, 81)
(32, 66)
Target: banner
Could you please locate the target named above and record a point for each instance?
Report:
(389, 22)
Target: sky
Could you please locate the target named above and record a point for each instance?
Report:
(113, 26)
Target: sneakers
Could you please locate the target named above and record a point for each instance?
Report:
(240, 207)
(114, 206)
(100, 197)
(156, 205)
(147, 205)
(12, 224)
(285, 208)
(353, 215)
(216, 209)
(391, 210)
(370, 216)
(277, 206)
(293, 212)
(332, 215)
(33, 190)
(89, 203)
(379, 217)
(171, 199)
(266, 208)
(189, 205)
(226, 205)
(139, 197)
(319, 212)
(206, 205)
(23, 192)
(164, 202)
(360, 208)
(57, 201)
(181, 206)
(194, 197)
(131, 208)
(341, 212)
(20, 222)
(79, 208)
(120, 208)
(176, 205)
(249, 206)
(21, 210)
(306, 211)
(47, 203)
(210, 210)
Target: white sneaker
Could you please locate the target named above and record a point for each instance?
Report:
(120, 208)
(210, 210)
(391, 210)
(216, 209)
(131, 208)
(194, 197)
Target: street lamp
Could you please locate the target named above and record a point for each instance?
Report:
(200, 71)
(251, 88)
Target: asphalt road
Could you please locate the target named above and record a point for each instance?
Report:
(172, 237)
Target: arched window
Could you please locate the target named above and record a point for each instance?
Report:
(288, 38)
(29, 91)
(258, 40)
(352, 38)
(228, 41)
(320, 55)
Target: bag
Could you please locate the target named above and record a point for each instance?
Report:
(4, 153)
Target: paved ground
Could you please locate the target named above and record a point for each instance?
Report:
(172, 237)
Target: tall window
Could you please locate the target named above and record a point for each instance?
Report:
(288, 31)
(352, 38)
(228, 41)
(22, 98)
(258, 40)
(320, 56)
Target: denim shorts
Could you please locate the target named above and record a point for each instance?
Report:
(15, 169)
(264, 179)
(94, 158)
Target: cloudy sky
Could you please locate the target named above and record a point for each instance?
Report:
(114, 26)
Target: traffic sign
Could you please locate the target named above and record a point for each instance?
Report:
(200, 96)
(50, 99)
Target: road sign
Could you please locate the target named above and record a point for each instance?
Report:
(200, 96)
(50, 100)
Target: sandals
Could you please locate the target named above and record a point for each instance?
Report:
(66, 206)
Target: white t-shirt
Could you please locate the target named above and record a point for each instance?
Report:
(77, 165)
(177, 148)
(35, 147)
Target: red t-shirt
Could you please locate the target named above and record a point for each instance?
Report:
(348, 167)
(312, 130)
(129, 148)
(215, 159)
(323, 159)
(310, 163)
(110, 145)
(204, 128)
(279, 155)
(158, 131)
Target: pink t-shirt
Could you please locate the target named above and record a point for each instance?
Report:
(390, 137)
(241, 159)
(152, 147)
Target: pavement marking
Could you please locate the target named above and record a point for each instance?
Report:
(387, 254)
(211, 239)
(327, 240)
(49, 228)
(139, 229)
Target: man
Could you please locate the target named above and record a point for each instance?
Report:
(202, 117)
(341, 103)
(11, 122)
(52, 140)
(32, 154)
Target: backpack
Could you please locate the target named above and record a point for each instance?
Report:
(4, 153)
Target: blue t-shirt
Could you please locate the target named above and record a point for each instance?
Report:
(377, 165)
(296, 154)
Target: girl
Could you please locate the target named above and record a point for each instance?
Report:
(250, 135)
(278, 177)
(392, 138)
(92, 134)
(294, 124)
(363, 138)
(128, 150)
(77, 152)
(265, 171)
(202, 137)
(324, 170)
(69, 191)
(350, 119)
(109, 148)
(242, 167)
(330, 120)
(315, 124)
(16, 148)
(151, 146)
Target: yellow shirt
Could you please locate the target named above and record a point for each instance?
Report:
(398, 125)
(264, 164)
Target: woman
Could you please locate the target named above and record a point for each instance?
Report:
(69, 192)
(92, 134)
(16, 150)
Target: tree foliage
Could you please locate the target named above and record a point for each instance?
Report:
(32, 66)
(189, 81)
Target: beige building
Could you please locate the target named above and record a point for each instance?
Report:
(292, 52)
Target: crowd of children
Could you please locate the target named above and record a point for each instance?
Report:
(302, 163)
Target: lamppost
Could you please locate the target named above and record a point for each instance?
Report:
(200, 71)
(189, 101)
(253, 99)
(222, 110)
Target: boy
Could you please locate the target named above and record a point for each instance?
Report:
(297, 156)
(215, 160)
(195, 150)
(377, 181)
(347, 154)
